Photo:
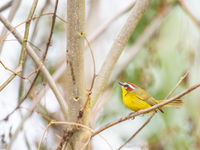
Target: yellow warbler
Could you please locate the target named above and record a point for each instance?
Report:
(136, 98)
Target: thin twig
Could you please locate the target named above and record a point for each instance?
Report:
(177, 84)
(31, 43)
(9, 79)
(7, 5)
(45, 52)
(35, 28)
(66, 123)
(28, 20)
(14, 7)
(39, 95)
(185, 7)
(146, 122)
(105, 26)
(83, 110)
(33, 36)
(18, 69)
(17, 73)
(44, 70)
(93, 60)
(26, 33)
(24, 43)
(72, 124)
(35, 102)
(133, 115)
(43, 59)
(12, 30)
(51, 31)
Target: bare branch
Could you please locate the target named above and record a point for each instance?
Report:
(17, 73)
(45, 52)
(26, 34)
(133, 115)
(18, 70)
(35, 103)
(93, 60)
(24, 43)
(32, 38)
(85, 107)
(61, 123)
(7, 5)
(117, 48)
(14, 7)
(44, 70)
(28, 20)
(177, 84)
(146, 122)
(102, 28)
(131, 52)
(35, 28)
(196, 21)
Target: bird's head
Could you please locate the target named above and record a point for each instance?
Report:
(128, 86)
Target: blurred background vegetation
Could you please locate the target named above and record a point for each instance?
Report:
(172, 51)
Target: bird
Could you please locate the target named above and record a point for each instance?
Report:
(135, 98)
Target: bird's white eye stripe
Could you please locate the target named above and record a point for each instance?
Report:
(131, 86)
(127, 85)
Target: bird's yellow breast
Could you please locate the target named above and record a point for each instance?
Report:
(131, 101)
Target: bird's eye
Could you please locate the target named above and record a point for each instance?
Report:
(126, 86)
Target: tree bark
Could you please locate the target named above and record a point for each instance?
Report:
(75, 78)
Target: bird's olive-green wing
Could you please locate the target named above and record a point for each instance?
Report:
(143, 95)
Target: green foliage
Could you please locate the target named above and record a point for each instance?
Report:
(150, 13)
(157, 68)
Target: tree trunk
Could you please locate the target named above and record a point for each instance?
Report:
(75, 78)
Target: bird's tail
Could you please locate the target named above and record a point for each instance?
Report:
(175, 104)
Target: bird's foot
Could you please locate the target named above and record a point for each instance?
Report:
(132, 113)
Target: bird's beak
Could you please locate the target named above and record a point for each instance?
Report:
(121, 83)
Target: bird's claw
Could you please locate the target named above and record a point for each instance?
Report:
(132, 113)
